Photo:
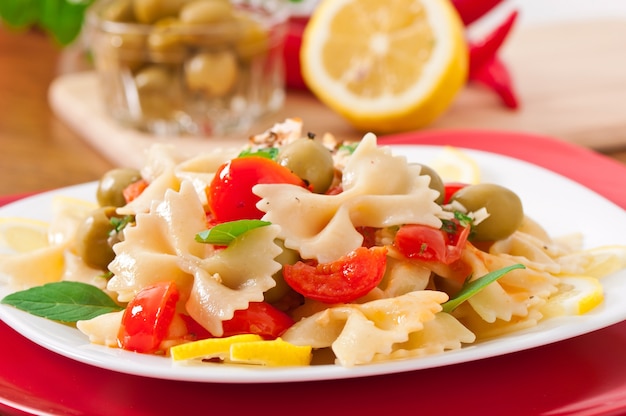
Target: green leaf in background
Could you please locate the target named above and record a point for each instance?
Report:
(62, 19)
(470, 289)
(66, 302)
(224, 234)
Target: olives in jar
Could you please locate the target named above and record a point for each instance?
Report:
(506, 213)
(311, 161)
(110, 192)
(93, 238)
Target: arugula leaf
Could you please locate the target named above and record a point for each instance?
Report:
(66, 302)
(224, 233)
(469, 289)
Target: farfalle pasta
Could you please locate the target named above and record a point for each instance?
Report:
(295, 265)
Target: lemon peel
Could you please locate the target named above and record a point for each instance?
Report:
(386, 66)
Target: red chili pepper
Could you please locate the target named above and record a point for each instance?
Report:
(472, 10)
(495, 75)
(484, 51)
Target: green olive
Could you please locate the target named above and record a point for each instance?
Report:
(119, 11)
(253, 40)
(113, 183)
(311, 161)
(166, 41)
(214, 74)
(436, 182)
(506, 213)
(206, 12)
(288, 256)
(92, 238)
(149, 11)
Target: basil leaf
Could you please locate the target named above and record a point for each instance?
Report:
(66, 302)
(268, 153)
(224, 233)
(471, 288)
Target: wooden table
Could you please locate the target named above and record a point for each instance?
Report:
(37, 150)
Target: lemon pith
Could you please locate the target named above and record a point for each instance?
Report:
(385, 65)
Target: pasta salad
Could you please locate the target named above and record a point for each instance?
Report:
(298, 250)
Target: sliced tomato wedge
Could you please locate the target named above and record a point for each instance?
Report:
(260, 318)
(147, 318)
(426, 243)
(341, 281)
(230, 193)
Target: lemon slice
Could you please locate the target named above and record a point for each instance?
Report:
(577, 295)
(605, 260)
(209, 348)
(68, 214)
(454, 165)
(23, 234)
(385, 65)
(274, 353)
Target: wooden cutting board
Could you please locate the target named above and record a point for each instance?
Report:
(570, 77)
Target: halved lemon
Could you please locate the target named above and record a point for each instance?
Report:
(23, 234)
(272, 353)
(385, 65)
(455, 165)
(577, 295)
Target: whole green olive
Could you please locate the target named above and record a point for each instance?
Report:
(112, 184)
(288, 256)
(436, 182)
(311, 161)
(212, 73)
(506, 213)
(119, 11)
(149, 11)
(206, 12)
(92, 238)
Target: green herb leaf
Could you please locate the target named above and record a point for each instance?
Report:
(471, 288)
(268, 153)
(223, 234)
(66, 302)
(63, 19)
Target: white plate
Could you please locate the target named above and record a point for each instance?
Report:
(559, 204)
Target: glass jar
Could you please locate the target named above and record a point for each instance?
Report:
(202, 67)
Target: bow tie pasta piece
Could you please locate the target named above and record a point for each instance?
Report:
(153, 248)
(359, 332)
(234, 277)
(379, 190)
(214, 283)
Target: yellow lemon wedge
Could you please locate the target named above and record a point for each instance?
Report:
(23, 234)
(455, 165)
(605, 260)
(577, 295)
(274, 353)
(68, 214)
(385, 65)
(210, 348)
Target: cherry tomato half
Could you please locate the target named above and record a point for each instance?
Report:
(450, 188)
(230, 193)
(147, 318)
(431, 244)
(341, 281)
(260, 318)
